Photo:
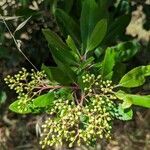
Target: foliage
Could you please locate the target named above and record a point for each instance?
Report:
(86, 90)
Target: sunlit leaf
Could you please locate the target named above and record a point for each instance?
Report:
(125, 114)
(44, 100)
(129, 99)
(15, 108)
(135, 77)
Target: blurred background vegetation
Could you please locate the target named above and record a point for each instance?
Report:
(20, 132)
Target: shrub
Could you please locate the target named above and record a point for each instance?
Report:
(89, 88)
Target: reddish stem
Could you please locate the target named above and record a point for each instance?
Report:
(56, 87)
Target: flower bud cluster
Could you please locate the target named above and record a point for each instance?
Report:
(63, 124)
(24, 83)
(18, 81)
(75, 125)
(99, 121)
(95, 84)
(23, 101)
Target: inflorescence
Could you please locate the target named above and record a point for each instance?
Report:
(81, 116)
(24, 84)
(85, 122)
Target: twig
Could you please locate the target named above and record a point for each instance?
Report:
(82, 98)
(17, 44)
(76, 99)
(55, 87)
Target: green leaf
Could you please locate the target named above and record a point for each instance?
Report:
(64, 65)
(47, 71)
(85, 64)
(14, 107)
(97, 35)
(65, 93)
(125, 114)
(126, 50)
(143, 101)
(114, 56)
(103, 3)
(117, 27)
(139, 100)
(68, 5)
(69, 25)
(54, 40)
(126, 104)
(73, 47)
(108, 64)
(69, 71)
(119, 71)
(63, 56)
(65, 62)
(123, 7)
(98, 51)
(88, 20)
(44, 100)
(135, 77)
(55, 74)
(3, 97)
